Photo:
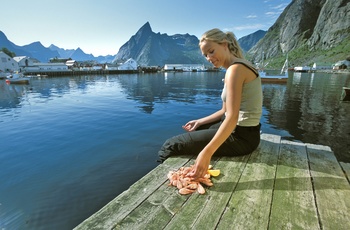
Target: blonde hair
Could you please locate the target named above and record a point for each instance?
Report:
(218, 36)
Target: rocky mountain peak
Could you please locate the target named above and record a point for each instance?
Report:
(247, 42)
(156, 49)
(145, 29)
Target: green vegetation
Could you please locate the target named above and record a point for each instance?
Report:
(8, 52)
(304, 56)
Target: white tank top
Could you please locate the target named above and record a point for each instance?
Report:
(251, 102)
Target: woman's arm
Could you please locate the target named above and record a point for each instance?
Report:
(194, 124)
(234, 79)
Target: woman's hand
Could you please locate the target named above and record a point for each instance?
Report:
(200, 167)
(191, 125)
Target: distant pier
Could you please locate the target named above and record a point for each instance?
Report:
(91, 72)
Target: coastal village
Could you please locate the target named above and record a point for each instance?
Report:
(27, 66)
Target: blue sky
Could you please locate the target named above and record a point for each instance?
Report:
(101, 27)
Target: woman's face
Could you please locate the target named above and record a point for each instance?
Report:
(213, 52)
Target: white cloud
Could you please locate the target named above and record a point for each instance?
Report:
(276, 10)
(252, 16)
(249, 27)
(272, 13)
(280, 7)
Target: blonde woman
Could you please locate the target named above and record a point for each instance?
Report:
(233, 130)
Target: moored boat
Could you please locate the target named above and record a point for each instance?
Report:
(345, 96)
(281, 78)
(17, 78)
(302, 69)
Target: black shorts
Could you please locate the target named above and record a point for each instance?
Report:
(243, 140)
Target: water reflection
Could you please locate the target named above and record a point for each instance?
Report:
(307, 108)
(11, 95)
(150, 89)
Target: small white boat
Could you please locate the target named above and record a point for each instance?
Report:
(281, 78)
(302, 69)
(4, 75)
(345, 96)
(17, 78)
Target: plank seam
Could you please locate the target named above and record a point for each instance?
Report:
(228, 200)
(202, 210)
(146, 198)
(313, 188)
(274, 183)
(344, 171)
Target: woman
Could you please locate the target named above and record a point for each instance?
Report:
(233, 130)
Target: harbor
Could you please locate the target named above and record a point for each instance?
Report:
(281, 185)
(86, 139)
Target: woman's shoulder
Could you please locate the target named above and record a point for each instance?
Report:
(245, 63)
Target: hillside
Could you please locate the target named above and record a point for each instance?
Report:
(309, 31)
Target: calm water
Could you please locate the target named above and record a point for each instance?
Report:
(69, 145)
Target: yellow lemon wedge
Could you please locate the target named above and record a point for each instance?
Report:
(214, 172)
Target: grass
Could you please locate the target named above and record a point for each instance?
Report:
(303, 56)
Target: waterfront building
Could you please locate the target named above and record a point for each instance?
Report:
(47, 67)
(24, 61)
(7, 64)
(130, 64)
(184, 67)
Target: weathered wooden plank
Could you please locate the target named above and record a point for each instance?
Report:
(155, 212)
(293, 205)
(121, 206)
(346, 169)
(205, 210)
(159, 207)
(218, 196)
(331, 188)
(250, 203)
(258, 191)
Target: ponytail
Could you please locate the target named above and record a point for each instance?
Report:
(233, 45)
(218, 36)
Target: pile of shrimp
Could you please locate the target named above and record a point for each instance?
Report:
(185, 184)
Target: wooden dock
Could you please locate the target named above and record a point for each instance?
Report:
(281, 185)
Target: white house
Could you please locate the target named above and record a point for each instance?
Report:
(24, 61)
(171, 67)
(111, 66)
(184, 67)
(342, 65)
(7, 64)
(130, 64)
(71, 64)
(47, 67)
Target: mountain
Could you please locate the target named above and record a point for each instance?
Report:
(155, 49)
(78, 54)
(38, 51)
(105, 59)
(35, 50)
(5, 43)
(247, 42)
(309, 31)
(62, 52)
(43, 54)
(146, 47)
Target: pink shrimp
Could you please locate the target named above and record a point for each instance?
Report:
(185, 191)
